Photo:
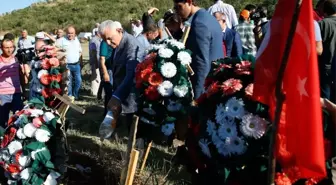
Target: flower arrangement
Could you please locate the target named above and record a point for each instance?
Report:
(25, 152)
(163, 86)
(46, 75)
(229, 129)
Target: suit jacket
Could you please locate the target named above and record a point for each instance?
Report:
(233, 43)
(125, 59)
(205, 42)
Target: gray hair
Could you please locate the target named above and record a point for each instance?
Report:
(109, 24)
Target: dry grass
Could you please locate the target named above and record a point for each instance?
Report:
(106, 159)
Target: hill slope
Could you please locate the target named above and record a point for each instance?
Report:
(83, 14)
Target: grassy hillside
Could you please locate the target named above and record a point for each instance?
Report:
(83, 14)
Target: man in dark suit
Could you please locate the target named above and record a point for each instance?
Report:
(127, 53)
(205, 41)
(231, 38)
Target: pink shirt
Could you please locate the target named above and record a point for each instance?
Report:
(9, 76)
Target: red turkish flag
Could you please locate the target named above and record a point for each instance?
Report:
(299, 140)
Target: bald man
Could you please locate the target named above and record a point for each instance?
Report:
(73, 52)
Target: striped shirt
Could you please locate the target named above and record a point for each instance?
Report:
(246, 33)
(9, 76)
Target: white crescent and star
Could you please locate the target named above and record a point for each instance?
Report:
(301, 87)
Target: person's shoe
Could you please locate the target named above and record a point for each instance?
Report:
(78, 99)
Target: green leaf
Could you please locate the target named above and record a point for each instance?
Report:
(34, 146)
(43, 156)
(49, 165)
(2, 131)
(54, 85)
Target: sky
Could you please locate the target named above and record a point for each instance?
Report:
(10, 5)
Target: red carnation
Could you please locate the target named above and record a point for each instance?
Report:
(54, 62)
(222, 67)
(45, 79)
(56, 78)
(231, 86)
(249, 90)
(45, 93)
(213, 89)
(144, 75)
(13, 168)
(208, 82)
(282, 179)
(18, 154)
(12, 134)
(45, 64)
(152, 93)
(5, 141)
(155, 79)
(243, 68)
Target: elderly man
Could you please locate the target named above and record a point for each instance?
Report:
(127, 54)
(231, 39)
(95, 29)
(12, 76)
(204, 41)
(73, 60)
(227, 9)
(26, 41)
(94, 48)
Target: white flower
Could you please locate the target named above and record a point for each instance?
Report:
(176, 43)
(29, 130)
(227, 120)
(223, 149)
(24, 161)
(220, 113)
(184, 57)
(5, 156)
(165, 88)
(167, 129)
(51, 179)
(227, 130)
(36, 112)
(174, 106)
(42, 135)
(166, 52)
(215, 139)
(168, 70)
(211, 127)
(180, 91)
(20, 134)
(235, 107)
(149, 111)
(204, 145)
(42, 72)
(48, 116)
(237, 145)
(33, 153)
(253, 126)
(157, 46)
(14, 146)
(25, 174)
(11, 182)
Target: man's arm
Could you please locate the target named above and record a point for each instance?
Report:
(238, 44)
(134, 54)
(201, 52)
(103, 69)
(50, 37)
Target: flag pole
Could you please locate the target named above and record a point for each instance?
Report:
(280, 97)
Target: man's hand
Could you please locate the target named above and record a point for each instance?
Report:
(152, 10)
(106, 77)
(114, 105)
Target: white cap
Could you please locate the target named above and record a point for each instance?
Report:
(39, 35)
